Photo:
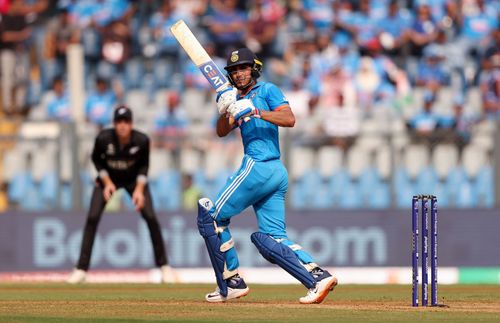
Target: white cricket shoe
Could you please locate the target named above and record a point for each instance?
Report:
(77, 276)
(319, 292)
(168, 275)
(238, 289)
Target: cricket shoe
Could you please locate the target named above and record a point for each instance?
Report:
(325, 283)
(77, 276)
(236, 288)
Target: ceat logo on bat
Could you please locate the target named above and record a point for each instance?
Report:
(213, 74)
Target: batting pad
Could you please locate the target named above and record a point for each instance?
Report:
(282, 256)
(206, 227)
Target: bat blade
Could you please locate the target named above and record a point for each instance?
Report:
(199, 55)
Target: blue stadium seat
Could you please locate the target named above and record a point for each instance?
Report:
(32, 200)
(304, 190)
(441, 195)
(134, 73)
(87, 183)
(369, 181)
(106, 70)
(48, 189)
(380, 196)
(401, 177)
(200, 181)
(49, 70)
(163, 72)
(483, 186)
(339, 180)
(19, 186)
(298, 196)
(454, 181)
(404, 193)
(66, 197)
(166, 190)
(323, 195)
(466, 197)
(351, 196)
(91, 42)
(427, 180)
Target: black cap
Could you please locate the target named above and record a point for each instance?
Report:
(239, 57)
(122, 112)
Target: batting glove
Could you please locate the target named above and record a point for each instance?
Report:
(243, 108)
(225, 98)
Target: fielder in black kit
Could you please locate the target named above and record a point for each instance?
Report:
(121, 157)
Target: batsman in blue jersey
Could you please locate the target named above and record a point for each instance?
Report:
(258, 109)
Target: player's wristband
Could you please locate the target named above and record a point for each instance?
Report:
(103, 173)
(142, 179)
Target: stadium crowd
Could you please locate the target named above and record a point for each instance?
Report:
(387, 93)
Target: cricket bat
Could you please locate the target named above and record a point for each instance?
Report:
(200, 57)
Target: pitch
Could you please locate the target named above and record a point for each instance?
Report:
(55, 302)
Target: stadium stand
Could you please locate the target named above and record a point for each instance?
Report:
(380, 116)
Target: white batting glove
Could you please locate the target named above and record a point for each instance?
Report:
(243, 108)
(225, 98)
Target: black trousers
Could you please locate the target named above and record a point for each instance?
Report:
(97, 204)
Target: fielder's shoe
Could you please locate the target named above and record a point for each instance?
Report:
(324, 284)
(236, 288)
(77, 276)
(168, 275)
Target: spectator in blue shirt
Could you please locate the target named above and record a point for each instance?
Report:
(423, 31)
(319, 13)
(392, 27)
(430, 72)
(426, 121)
(460, 123)
(160, 23)
(478, 25)
(226, 24)
(361, 25)
(436, 7)
(99, 105)
(490, 89)
(58, 108)
(171, 124)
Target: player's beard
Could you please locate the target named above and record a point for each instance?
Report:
(244, 82)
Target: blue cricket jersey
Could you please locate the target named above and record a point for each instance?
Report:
(261, 138)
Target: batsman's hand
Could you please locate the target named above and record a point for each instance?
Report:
(242, 109)
(225, 98)
(108, 191)
(138, 199)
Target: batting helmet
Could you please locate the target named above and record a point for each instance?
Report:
(244, 56)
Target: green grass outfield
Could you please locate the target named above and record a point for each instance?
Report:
(56, 302)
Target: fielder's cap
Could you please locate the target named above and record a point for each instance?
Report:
(241, 56)
(122, 112)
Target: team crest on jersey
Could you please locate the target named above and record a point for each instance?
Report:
(133, 150)
(234, 56)
(110, 150)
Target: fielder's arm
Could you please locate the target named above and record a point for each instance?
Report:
(100, 164)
